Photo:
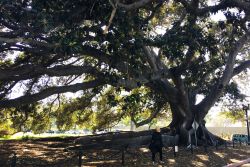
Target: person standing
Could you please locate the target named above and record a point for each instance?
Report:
(156, 144)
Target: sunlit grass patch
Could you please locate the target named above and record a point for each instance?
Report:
(29, 135)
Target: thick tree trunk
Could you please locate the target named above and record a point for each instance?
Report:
(182, 121)
(202, 134)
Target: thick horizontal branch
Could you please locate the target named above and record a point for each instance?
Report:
(135, 5)
(28, 41)
(11, 34)
(8, 24)
(27, 99)
(31, 71)
(243, 66)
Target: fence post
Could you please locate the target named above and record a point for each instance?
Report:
(233, 143)
(80, 158)
(123, 156)
(13, 160)
(216, 145)
(225, 144)
(205, 145)
(175, 145)
(174, 150)
(192, 151)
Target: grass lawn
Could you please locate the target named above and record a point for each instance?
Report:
(28, 135)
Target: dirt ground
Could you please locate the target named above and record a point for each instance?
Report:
(53, 154)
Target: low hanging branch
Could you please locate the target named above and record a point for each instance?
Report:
(121, 140)
(135, 5)
(27, 71)
(27, 99)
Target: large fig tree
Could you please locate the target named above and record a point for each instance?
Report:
(174, 48)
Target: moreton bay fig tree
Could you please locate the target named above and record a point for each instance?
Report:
(174, 49)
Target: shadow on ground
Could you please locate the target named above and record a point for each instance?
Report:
(52, 154)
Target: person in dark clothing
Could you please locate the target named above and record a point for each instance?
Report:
(156, 144)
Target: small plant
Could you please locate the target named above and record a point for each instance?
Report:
(26, 137)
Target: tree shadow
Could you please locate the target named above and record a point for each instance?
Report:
(44, 153)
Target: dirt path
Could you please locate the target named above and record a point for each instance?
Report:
(52, 154)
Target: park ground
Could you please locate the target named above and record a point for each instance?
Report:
(51, 153)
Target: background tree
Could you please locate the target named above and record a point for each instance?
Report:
(106, 109)
(31, 117)
(171, 47)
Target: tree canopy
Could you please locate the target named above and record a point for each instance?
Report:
(173, 49)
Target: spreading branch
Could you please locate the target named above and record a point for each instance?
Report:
(216, 91)
(27, 99)
(30, 42)
(135, 5)
(30, 71)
